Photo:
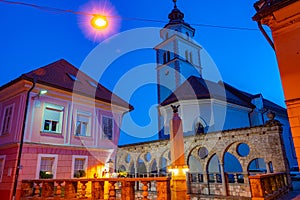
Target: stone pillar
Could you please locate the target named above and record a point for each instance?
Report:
(177, 167)
(224, 182)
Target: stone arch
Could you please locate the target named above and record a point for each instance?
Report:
(147, 157)
(122, 168)
(166, 154)
(257, 165)
(195, 165)
(141, 158)
(213, 169)
(132, 169)
(232, 163)
(141, 167)
(211, 165)
(232, 148)
(153, 167)
(164, 161)
(194, 153)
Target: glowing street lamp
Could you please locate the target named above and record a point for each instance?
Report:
(99, 22)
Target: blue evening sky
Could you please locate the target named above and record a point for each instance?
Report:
(31, 38)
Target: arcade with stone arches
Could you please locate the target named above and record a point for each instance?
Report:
(226, 155)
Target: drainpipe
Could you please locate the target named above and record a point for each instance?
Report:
(262, 30)
(21, 142)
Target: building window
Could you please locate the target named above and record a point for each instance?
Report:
(47, 164)
(164, 57)
(186, 55)
(199, 129)
(168, 56)
(191, 57)
(79, 166)
(7, 119)
(2, 163)
(107, 128)
(53, 117)
(83, 124)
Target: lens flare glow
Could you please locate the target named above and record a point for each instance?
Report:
(103, 21)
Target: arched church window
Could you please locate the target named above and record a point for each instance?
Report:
(164, 57)
(199, 129)
(191, 57)
(168, 56)
(187, 55)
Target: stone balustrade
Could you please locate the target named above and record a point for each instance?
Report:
(268, 186)
(237, 184)
(94, 188)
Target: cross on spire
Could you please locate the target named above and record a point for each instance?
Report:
(174, 1)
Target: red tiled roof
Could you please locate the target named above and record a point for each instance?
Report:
(59, 75)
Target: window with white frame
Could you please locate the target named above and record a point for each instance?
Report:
(53, 117)
(46, 167)
(7, 119)
(2, 163)
(107, 128)
(83, 124)
(79, 166)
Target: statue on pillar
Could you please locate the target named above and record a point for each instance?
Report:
(175, 108)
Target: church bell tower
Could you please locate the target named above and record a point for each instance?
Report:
(178, 58)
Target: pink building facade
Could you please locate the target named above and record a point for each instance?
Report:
(70, 126)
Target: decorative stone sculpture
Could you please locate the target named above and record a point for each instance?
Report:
(272, 121)
(175, 108)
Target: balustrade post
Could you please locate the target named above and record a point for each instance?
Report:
(83, 188)
(268, 186)
(273, 184)
(145, 190)
(215, 175)
(112, 190)
(282, 181)
(37, 188)
(278, 183)
(97, 189)
(128, 191)
(285, 179)
(58, 189)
